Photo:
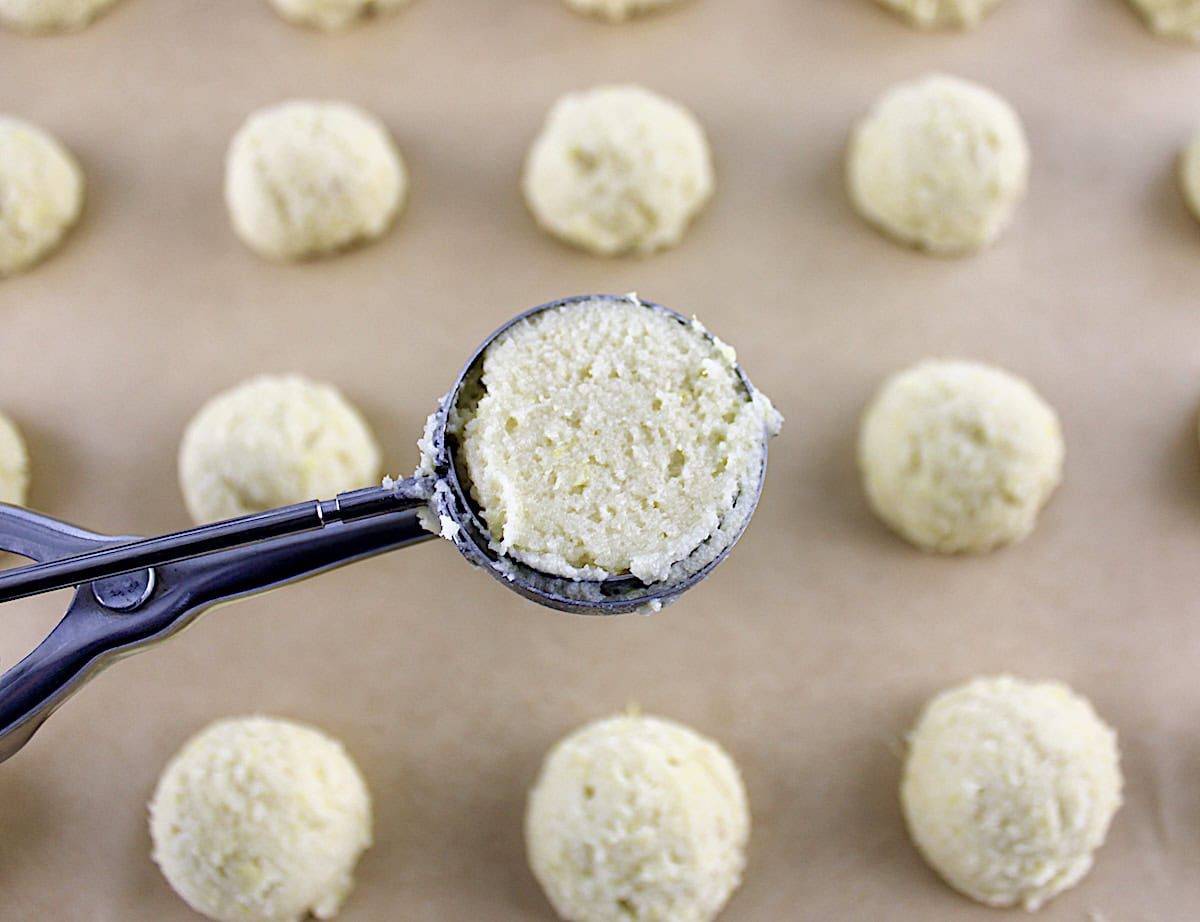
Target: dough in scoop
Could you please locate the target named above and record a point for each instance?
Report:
(618, 169)
(272, 441)
(41, 194)
(305, 179)
(959, 456)
(260, 820)
(939, 163)
(637, 819)
(14, 463)
(1009, 788)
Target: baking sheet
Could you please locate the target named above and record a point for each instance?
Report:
(810, 651)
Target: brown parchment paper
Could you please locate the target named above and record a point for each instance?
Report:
(810, 651)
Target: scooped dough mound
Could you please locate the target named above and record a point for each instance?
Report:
(14, 463)
(618, 169)
(332, 15)
(606, 438)
(1009, 788)
(272, 441)
(306, 179)
(41, 194)
(959, 456)
(637, 819)
(50, 15)
(260, 820)
(1189, 173)
(1175, 18)
(617, 10)
(939, 163)
(942, 14)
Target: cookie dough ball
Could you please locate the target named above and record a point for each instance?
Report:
(618, 169)
(939, 163)
(14, 463)
(637, 819)
(942, 14)
(959, 456)
(1189, 175)
(260, 820)
(332, 15)
(305, 179)
(606, 437)
(272, 441)
(50, 15)
(1174, 18)
(618, 10)
(41, 194)
(1009, 787)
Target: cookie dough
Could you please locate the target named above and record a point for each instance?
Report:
(272, 441)
(637, 819)
(1009, 788)
(606, 438)
(1189, 175)
(959, 456)
(41, 194)
(617, 10)
(939, 163)
(14, 463)
(1174, 18)
(942, 14)
(260, 820)
(617, 170)
(50, 15)
(332, 15)
(305, 179)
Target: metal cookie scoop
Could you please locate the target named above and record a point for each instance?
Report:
(133, 592)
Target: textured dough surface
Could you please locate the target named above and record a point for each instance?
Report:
(617, 10)
(959, 456)
(618, 169)
(942, 14)
(637, 819)
(14, 463)
(306, 179)
(258, 819)
(939, 163)
(1009, 788)
(271, 441)
(41, 194)
(332, 15)
(50, 15)
(608, 438)
(1176, 18)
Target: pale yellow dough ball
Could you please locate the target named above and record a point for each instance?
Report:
(305, 179)
(939, 163)
(14, 463)
(332, 15)
(959, 456)
(618, 10)
(41, 194)
(618, 170)
(1173, 18)
(1009, 788)
(260, 820)
(272, 441)
(942, 14)
(50, 15)
(637, 819)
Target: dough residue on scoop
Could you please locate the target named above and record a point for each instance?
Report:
(258, 819)
(606, 438)
(637, 819)
(1009, 788)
